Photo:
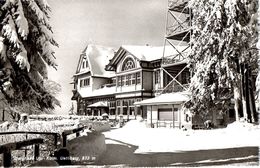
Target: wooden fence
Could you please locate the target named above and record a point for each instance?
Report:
(6, 149)
(55, 135)
(69, 132)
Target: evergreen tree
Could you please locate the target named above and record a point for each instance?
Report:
(26, 48)
(224, 56)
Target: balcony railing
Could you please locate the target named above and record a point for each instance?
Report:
(174, 87)
(168, 60)
(108, 85)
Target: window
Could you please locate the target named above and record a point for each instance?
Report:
(157, 76)
(84, 82)
(131, 102)
(128, 64)
(128, 79)
(138, 78)
(112, 104)
(113, 80)
(133, 79)
(125, 103)
(123, 80)
(119, 81)
(84, 63)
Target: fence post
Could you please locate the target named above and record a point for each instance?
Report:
(7, 158)
(36, 151)
(56, 140)
(25, 151)
(3, 116)
(64, 140)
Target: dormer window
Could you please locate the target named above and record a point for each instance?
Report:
(84, 63)
(128, 64)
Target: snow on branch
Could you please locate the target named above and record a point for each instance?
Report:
(21, 21)
(38, 64)
(22, 59)
(9, 31)
(41, 16)
(2, 49)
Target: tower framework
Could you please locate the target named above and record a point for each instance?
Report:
(178, 34)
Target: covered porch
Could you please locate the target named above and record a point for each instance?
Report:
(98, 109)
(165, 110)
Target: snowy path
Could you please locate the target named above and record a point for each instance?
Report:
(136, 145)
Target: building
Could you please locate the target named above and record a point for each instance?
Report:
(92, 84)
(111, 82)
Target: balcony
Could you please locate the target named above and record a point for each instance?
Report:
(175, 59)
(108, 85)
(178, 6)
(174, 87)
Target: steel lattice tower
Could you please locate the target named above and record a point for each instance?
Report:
(178, 34)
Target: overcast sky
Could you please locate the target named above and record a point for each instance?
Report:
(113, 23)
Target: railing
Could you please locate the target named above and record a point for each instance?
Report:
(175, 88)
(167, 60)
(69, 132)
(108, 85)
(172, 88)
(6, 149)
(55, 135)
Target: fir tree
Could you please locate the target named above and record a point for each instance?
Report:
(224, 56)
(26, 48)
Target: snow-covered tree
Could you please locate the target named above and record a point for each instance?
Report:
(26, 48)
(224, 56)
(258, 76)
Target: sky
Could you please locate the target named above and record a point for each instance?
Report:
(77, 23)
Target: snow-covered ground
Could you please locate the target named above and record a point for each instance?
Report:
(149, 140)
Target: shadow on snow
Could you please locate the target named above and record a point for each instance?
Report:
(118, 154)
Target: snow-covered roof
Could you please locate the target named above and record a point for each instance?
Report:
(99, 104)
(99, 92)
(98, 57)
(167, 98)
(150, 53)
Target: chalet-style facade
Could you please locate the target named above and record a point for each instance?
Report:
(130, 82)
(113, 82)
(92, 84)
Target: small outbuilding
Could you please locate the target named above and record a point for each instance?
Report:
(166, 110)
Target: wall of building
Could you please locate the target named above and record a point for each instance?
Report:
(147, 80)
(154, 120)
(98, 82)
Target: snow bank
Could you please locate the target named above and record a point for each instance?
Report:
(241, 125)
(87, 147)
(174, 140)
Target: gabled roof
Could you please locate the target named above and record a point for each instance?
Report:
(144, 53)
(98, 57)
(150, 53)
